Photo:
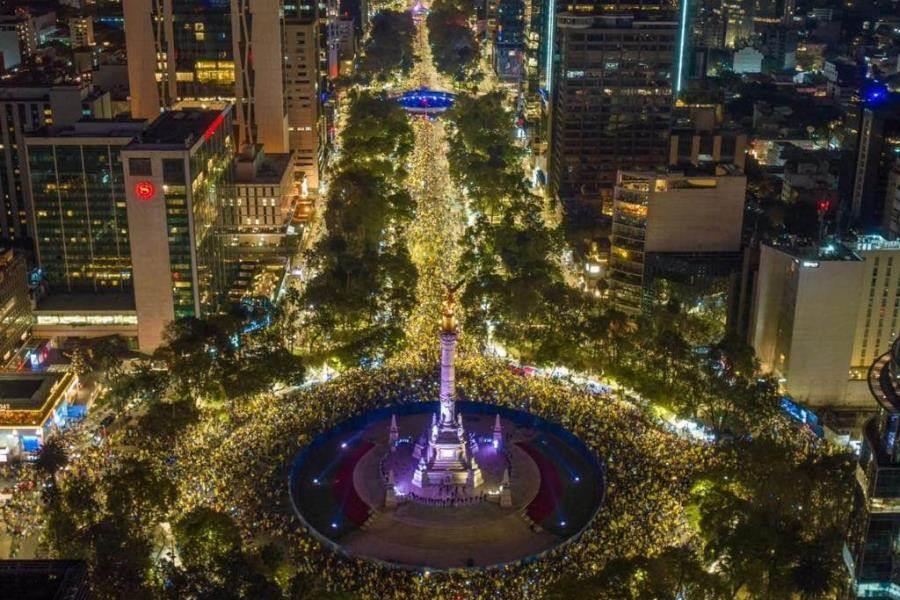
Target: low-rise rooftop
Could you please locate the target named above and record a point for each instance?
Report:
(827, 251)
(180, 129)
(26, 399)
(93, 128)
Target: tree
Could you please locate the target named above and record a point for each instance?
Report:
(769, 510)
(52, 457)
(675, 574)
(483, 156)
(78, 362)
(453, 44)
(206, 537)
(516, 288)
(361, 292)
(120, 561)
(389, 48)
(376, 136)
(142, 384)
(139, 488)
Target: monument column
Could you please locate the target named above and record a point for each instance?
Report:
(448, 377)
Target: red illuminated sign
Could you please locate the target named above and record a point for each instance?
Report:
(215, 125)
(145, 190)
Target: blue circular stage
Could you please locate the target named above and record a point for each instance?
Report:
(424, 101)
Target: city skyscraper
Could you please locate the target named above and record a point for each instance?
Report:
(304, 37)
(611, 100)
(871, 203)
(176, 174)
(181, 51)
(28, 103)
(78, 191)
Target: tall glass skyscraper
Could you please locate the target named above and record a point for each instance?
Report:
(78, 191)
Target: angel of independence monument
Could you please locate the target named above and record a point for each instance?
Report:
(460, 484)
(446, 458)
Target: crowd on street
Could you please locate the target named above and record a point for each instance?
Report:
(242, 466)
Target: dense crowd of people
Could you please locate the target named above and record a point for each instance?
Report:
(241, 467)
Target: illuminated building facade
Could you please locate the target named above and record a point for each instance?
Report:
(262, 200)
(26, 106)
(611, 101)
(62, 316)
(15, 318)
(874, 533)
(303, 50)
(183, 51)
(32, 407)
(177, 174)
(80, 220)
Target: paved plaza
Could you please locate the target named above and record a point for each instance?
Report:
(340, 493)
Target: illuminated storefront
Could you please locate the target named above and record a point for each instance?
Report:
(32, 407)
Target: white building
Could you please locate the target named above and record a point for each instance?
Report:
(821, 318)
(804, 316)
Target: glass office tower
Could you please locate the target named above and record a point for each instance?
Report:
(78, 191)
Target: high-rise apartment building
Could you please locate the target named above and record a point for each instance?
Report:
(80, 219)
(81, 31)
(26, 105)
(611, 99)
(18, 39)
(176, 175)
(676, 213)
(303, 50)
(877, 150)
(183, 51)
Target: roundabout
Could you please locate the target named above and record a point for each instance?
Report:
(591, 480)
(339, 485)
(441, 485)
